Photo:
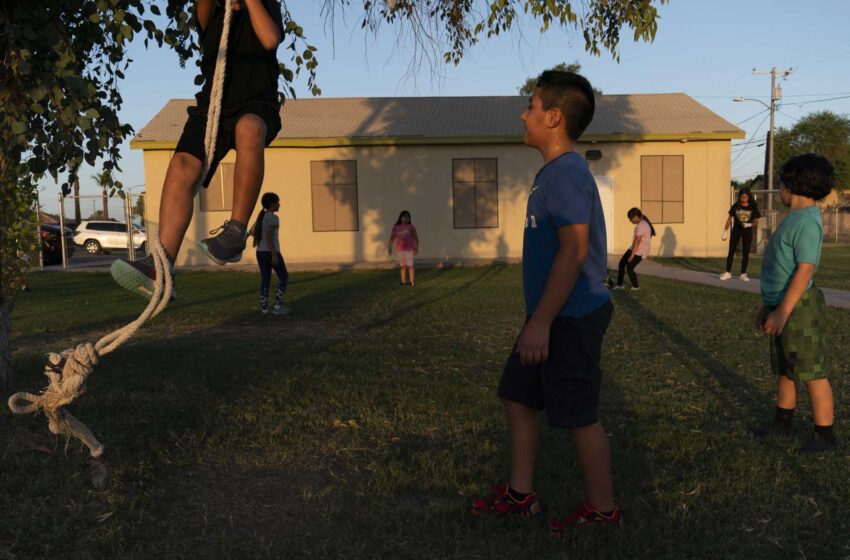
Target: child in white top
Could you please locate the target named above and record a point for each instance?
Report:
(641, 241)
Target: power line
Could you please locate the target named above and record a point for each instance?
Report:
(768, 97)
(801, 103)
(752, 117)
(742, 152)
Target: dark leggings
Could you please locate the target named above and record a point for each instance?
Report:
(626, 266)
(740, 233)
(264, 259)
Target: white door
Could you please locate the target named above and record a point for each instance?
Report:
(605, 184)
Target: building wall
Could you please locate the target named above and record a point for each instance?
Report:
(419, 179)
(706, 194)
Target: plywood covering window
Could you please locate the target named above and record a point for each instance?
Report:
(334, 186)
(218, 196)
(662, 188)
(475, 193)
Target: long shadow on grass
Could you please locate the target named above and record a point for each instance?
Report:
(417, 302)
(726, 384)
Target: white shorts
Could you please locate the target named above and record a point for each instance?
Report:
(405, 258)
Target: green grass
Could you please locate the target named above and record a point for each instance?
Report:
(219, 426)
(833, 271)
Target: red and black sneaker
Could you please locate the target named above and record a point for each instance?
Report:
(501, 502)
(587, 516)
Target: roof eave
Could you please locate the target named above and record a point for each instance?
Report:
(136, 144)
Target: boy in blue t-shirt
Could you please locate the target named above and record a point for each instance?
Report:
(793, 310)
(555, 363)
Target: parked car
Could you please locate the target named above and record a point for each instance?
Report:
(51, 243)
(97, 236)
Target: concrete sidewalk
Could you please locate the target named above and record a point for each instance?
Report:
(834, 298)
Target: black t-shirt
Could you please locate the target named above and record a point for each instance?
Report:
(744, 214)
(251, 72)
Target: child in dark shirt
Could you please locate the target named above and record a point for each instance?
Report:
(250, 120)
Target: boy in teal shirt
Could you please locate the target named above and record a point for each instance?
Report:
(793, 308)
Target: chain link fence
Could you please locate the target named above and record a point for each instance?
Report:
(836, 218)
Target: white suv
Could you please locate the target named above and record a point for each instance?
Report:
(97, 236)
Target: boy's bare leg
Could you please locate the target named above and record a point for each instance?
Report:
(786, 394)
(176, 204)
(594, 456)
(820, 393)
(412, 281)
(250, 166)
(522, 431)
(404, 275)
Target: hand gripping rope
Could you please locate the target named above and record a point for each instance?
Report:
(67, 372)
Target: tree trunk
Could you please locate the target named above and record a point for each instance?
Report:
(6, 305)
(77, 200)
(105, 205)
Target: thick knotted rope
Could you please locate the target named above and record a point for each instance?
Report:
(67, 372)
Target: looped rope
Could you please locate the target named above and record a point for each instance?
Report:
(67, 372)
(216, 95)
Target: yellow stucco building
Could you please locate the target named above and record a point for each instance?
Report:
(345, 168)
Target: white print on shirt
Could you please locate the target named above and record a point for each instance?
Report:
(530, 222)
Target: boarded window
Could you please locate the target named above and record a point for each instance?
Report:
(334, 195)
(662, 188)
(218, 196)
(475, 193)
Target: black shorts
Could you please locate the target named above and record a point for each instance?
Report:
(192, 139)
(567, 385)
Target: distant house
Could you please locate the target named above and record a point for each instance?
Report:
(345, 168)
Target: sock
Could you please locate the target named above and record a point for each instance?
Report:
(825, 432)
(518, 496)
(784, 416)
(240, 227)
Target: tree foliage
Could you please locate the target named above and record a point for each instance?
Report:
(825, 133)
(527, 88)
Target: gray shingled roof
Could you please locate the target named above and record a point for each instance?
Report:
(459, 117)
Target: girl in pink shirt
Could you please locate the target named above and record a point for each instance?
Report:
(406, 244)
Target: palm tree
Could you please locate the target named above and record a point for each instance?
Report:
(104, 179)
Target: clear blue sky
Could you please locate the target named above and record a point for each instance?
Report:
(705, 49)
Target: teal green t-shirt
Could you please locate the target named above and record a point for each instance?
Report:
(798, 239)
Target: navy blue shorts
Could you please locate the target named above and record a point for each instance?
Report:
(567, 385)
(194, 133)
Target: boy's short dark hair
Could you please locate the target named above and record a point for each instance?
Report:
(572, 94)
(808, 175)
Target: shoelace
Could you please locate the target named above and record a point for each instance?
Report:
(222, 227)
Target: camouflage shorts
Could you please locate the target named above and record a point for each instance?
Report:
(800, 351)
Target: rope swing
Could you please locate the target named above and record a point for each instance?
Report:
(67, 371)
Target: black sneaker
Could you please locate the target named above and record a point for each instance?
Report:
(138, 276)
(228, 245)
(819, 445)
(771, 430)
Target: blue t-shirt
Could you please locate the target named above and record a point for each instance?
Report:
(797, 239)
(564, 193)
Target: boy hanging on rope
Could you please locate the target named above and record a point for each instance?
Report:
(250, 120)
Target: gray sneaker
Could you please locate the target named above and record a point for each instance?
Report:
(281, 310)
(228, 245)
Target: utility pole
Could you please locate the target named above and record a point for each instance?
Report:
(775, 95)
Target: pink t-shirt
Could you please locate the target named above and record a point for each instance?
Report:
(404, 236)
